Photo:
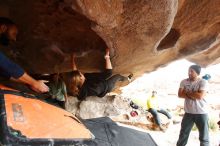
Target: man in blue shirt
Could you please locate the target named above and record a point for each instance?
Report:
(10, 70)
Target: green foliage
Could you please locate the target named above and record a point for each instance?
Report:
(213, 125)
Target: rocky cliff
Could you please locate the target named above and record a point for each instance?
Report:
(142, 34)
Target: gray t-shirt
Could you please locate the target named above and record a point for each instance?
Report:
(197, 106)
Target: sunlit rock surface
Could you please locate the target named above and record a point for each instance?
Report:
(94, 107)
(115, 107)
(142, 35)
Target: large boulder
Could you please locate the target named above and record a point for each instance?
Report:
(115, 107)
(142, 35)
(94, 107)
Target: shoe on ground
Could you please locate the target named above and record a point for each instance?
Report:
(130, 77)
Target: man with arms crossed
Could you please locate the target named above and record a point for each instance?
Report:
(193, 90)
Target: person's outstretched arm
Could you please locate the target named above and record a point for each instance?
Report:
(36, 85)
(14, 72)
(108, 64)
(108, 69)
(73, 62)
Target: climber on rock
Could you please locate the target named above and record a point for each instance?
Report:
(94, 84)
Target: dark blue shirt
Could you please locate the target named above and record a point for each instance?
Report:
(9, 69)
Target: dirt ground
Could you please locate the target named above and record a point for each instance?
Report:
(170, 136)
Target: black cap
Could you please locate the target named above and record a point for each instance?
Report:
(196, 68)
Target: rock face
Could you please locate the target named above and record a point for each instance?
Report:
(115, 107)
(142, 35)
(198, 25)
(94, 107)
